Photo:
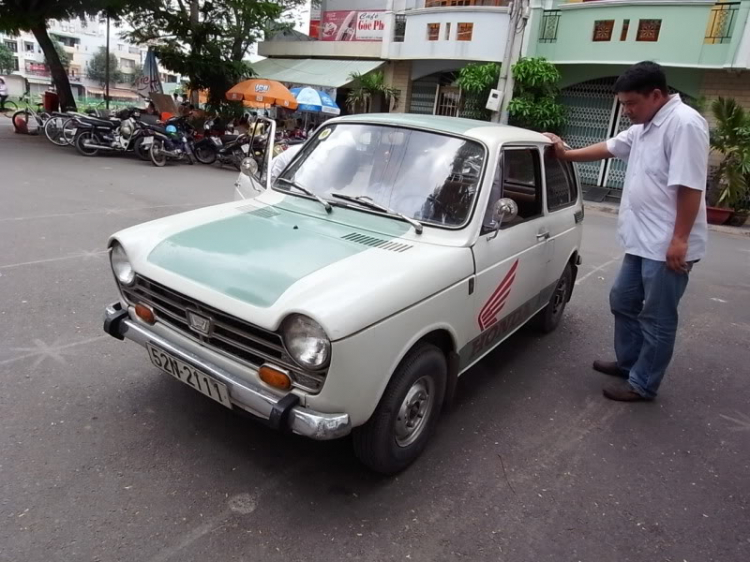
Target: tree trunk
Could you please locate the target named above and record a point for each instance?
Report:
(59, 74)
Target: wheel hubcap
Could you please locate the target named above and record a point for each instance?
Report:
(414, 411)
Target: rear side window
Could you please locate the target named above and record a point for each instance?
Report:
(561, 185)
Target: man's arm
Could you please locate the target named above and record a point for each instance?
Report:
(688, 205)
(598, 151)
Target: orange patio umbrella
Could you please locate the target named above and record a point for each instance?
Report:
(263, 91)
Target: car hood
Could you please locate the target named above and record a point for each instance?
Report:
(347, 269)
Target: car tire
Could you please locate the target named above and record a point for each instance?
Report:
(548, 319)
(407, 413)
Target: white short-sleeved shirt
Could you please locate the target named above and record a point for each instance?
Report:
(282, 160)
(669, 151)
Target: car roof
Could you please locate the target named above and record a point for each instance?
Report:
(491, 133)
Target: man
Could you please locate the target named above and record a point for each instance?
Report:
(282, 160)
(3, 94)
(662, 225)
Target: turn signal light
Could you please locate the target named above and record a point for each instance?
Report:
(145, 313)
(275, 377)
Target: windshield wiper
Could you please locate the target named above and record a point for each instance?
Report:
(368, 202)
(306, 191)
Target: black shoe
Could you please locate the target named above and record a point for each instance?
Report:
(623, 392)
(610, 368)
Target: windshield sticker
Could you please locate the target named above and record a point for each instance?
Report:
(325, 134)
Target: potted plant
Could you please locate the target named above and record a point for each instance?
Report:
(728, 190)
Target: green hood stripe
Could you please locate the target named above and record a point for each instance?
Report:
(255, 257)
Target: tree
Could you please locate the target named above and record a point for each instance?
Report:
(476, 80)
(25, 15)
(204, 40)
(534, 104)
(62, 54)
(6, 60)
(730, 137)
(96, 68)
(367, 88)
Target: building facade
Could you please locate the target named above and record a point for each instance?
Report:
(81, 38)
(418, 44)
(704, 47)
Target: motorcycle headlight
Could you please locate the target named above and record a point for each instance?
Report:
(126, 128)
(306, 342)
(121, 265)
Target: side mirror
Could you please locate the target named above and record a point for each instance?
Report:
(249, 166)
(505, 210)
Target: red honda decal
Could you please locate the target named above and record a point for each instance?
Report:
(489, 312)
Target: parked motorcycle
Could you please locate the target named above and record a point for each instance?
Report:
(174, 141)
(227, 149)
(121, 134)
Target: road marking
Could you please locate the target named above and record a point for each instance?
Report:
(742, 422)
(716, 299)
(598, 268)
(61, 258)
(43, 351)
(102, 211)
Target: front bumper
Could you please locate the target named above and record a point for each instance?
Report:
(280, 413)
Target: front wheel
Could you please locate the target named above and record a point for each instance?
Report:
(158, 157)
(550, 316)
(21, 121)
(142, 151)
(54, 130)
(83, 143)
(407, 414)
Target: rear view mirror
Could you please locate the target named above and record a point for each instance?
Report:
(505, 210)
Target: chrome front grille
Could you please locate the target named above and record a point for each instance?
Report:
(230, 336)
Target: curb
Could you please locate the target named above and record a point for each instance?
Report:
(613, 209)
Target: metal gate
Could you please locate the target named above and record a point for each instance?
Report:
(448, 101)
(594, 115)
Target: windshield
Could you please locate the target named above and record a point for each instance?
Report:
(430, 177)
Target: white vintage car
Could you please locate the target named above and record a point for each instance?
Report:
(390, 255)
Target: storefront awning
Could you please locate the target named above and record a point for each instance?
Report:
(328, 73)
(115, 93)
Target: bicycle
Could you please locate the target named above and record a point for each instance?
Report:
(9, 107)
(60, 128)
(22, 117)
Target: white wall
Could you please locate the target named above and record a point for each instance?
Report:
(487, 42)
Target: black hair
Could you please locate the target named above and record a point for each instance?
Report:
(643, 78)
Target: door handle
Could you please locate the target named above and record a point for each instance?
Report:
(542, 236)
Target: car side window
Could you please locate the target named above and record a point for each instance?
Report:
(522, 182)
(561, 185)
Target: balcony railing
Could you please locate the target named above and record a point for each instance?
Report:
(721, 22)
(548, 29)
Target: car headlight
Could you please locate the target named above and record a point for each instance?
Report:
(121, 265)
(306, 342)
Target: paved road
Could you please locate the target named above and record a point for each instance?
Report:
(103, 458)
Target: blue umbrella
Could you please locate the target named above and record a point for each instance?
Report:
(316, 101)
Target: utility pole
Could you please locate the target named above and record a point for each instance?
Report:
(518, 12)
(106, 71)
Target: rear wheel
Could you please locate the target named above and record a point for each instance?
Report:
(550, 316)
(407, 414)
(205, 154)
(158, 157)
(87, 138)
(9, 107)
(69, 131)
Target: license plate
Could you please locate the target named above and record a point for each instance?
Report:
(189, 375)
(216, 141)
(245, 148)
(147, 141)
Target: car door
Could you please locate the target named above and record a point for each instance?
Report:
(510, 264)
(564, 214)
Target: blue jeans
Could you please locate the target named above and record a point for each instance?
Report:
(644, 301)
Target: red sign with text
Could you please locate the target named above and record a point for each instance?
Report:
(345, 25)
